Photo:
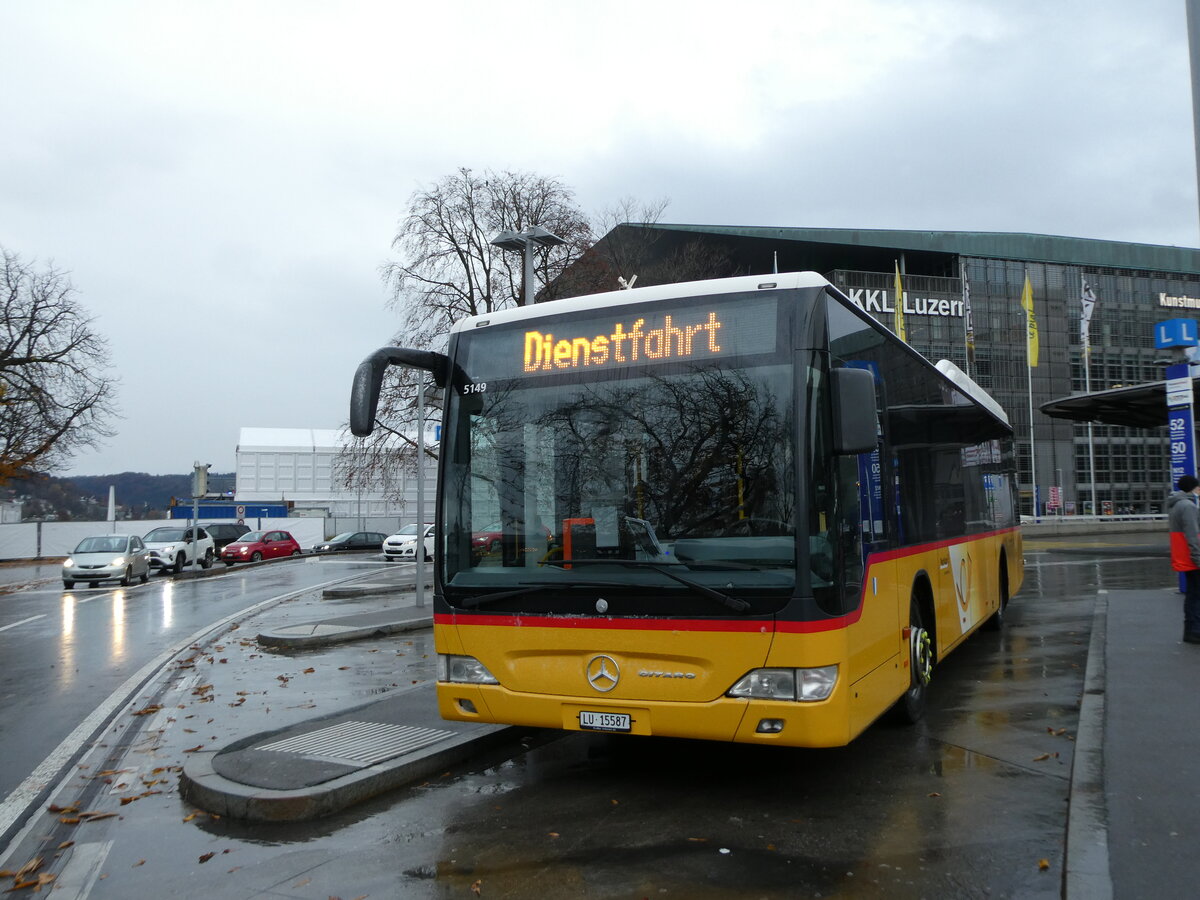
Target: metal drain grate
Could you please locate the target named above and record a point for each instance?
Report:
(358, 743)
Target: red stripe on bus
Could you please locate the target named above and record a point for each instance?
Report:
(631, 624)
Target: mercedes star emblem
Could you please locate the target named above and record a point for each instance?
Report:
(603, 673)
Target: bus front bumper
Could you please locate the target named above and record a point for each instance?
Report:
(791, 724)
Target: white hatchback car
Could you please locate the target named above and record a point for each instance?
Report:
(107, 557)
(403, 544)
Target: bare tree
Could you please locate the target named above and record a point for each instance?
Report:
(448, 269)
(56, 394)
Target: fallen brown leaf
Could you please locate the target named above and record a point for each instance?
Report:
(140, 862)
(147, 710)
(207, 856)
(476, 887)
(1041, 758)
(37, 884)
(189, 818)
(309, 670)
(193, 749)
(28, 869)
(1043, 864)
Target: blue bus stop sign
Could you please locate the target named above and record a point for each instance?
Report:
(1180, 424)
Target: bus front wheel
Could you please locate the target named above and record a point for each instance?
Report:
(910, 707)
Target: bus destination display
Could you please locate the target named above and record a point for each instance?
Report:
(702, 330)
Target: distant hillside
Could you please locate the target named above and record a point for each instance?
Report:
(139, 495)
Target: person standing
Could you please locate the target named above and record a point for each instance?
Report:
(1183, 518)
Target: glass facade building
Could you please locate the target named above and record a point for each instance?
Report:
(1136, 286)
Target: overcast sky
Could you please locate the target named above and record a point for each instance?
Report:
(223, 179)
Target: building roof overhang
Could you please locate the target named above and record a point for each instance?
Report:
(1021, 246)
(1138, 406)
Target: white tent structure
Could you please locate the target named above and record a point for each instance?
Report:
(297, 465)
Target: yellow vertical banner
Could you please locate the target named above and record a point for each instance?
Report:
(1031, 331)
(900, 306)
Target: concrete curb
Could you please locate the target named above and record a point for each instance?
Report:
(1086, 868)
(323, 633)
(366, 590)
(202, 786)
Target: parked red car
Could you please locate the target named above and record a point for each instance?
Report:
(255, 545)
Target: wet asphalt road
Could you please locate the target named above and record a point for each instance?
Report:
(65, 651)
(970, 803)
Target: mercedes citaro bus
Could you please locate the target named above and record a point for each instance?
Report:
(736, 510)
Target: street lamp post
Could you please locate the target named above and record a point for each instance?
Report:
(524, 242)
(419, 546)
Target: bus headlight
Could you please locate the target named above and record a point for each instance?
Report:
(463, 670)
(805, 685)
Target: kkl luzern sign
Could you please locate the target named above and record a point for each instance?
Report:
(882, 301)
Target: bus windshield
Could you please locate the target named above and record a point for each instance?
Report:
(626, 476)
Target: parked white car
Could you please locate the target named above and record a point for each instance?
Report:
(107, 557)
(403, 544)
(173, 547)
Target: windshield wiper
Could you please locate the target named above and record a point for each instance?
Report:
(497, 596)
(735, 603)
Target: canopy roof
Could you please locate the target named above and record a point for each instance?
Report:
(1139, 405)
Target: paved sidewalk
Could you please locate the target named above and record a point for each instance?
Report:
(1151, 747)
(326, 764)
(394, 619)
(316, 767)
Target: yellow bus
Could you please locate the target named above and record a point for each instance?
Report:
(736, 510)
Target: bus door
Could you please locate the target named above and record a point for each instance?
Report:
(867, 583)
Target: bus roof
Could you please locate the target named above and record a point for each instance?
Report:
(780, 281)
(972, 389)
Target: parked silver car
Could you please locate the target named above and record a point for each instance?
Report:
(108, 557)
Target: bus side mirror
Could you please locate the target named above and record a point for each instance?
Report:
(855, 421)
(368, 379)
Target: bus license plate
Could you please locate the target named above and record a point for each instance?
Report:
(603, 721)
